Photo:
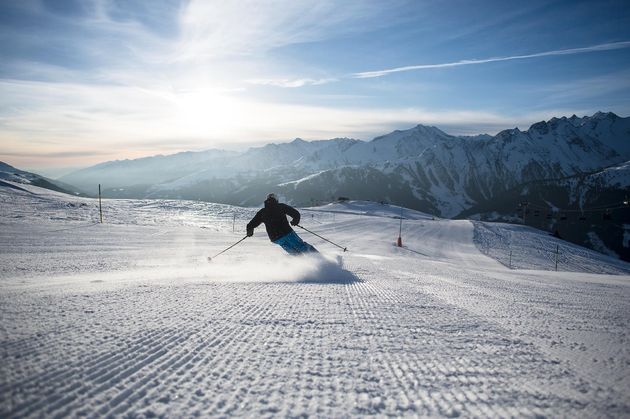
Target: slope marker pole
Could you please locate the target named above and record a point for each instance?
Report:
(100, 207)
(399, 241)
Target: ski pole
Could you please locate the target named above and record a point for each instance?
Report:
(210, 258)
(341, 247)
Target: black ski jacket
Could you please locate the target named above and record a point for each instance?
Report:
(274, 215)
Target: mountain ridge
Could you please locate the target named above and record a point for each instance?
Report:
(450, 171)
(10, 173)
(422, 168)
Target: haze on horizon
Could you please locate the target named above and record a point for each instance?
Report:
(83, 82)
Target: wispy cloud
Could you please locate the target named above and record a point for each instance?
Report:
(291, 82)
(594, 48)
(217, 28)
(60, 154)
(301, 82)
(64, 113)
(68, 124)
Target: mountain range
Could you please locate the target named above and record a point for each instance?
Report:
(573, 168)
(427, 168)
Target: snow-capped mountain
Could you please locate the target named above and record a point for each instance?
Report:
(432, 170)
(139, 173)
(8, 172)
(452, 174)
(422, 168)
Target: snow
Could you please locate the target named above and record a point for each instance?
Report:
(127, 318)
(618, 176)
(522, 247)
(367, 208)
(304, 179)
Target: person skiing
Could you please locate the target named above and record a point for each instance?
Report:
(274, 215)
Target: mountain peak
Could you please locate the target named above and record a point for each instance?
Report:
(574, 119)
(428, 128)
(604, 115)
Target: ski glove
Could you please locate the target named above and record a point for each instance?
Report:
(250, 232)
(295, 222)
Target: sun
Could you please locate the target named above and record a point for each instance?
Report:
(205, 112)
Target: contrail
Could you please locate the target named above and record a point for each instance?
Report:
(594, 48)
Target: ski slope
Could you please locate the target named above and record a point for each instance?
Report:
(127, 318)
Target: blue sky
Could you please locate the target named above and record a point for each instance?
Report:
(93, 80)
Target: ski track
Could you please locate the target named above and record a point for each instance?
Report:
(366, 347)
(92, 325)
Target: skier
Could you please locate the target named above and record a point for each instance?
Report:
(274, 216)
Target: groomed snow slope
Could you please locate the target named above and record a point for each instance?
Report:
(127, 318)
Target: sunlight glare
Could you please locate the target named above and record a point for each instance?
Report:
(206, 112)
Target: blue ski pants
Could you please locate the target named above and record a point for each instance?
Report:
(294, 245)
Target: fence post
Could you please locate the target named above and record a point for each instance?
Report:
(510, 259)
(233, 221)
(100, 207)
(557, 249)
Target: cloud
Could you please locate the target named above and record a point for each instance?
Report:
(300, 82)
(291, 83)
(61, 154)
(127, 119)
(594, 48)
(75, 125)
(212, 29)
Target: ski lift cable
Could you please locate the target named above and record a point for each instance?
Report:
(589, 209)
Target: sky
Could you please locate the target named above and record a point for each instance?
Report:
(86, 81)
